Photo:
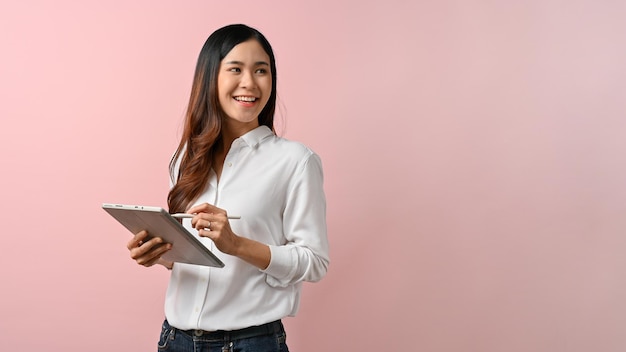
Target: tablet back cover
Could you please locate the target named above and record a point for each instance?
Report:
(186, 248)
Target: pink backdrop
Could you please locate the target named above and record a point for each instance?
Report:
(474, 153)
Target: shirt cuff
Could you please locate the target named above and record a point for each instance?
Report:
(282, 265)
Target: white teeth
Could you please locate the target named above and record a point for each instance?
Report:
(249, 99)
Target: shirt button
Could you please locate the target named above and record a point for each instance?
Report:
(229, 164)
(197, 309)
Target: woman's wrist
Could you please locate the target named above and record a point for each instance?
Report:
(253, 252)
(168, 265)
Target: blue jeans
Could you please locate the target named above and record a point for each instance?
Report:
(175, 340)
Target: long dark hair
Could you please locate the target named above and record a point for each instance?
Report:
(204, 117)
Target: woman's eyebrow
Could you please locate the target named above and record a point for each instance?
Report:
(258, 63)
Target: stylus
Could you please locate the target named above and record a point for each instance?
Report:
(189, 216)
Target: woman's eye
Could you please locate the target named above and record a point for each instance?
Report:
(234, 69)
(261, 71)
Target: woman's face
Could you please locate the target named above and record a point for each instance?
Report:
(244, 83)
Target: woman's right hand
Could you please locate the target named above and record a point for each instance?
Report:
(149, 252)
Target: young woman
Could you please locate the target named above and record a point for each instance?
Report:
(229, 161)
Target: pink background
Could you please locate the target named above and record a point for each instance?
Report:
(474, 154)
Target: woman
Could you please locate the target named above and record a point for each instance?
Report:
(229, 161)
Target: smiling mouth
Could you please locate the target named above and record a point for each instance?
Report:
(246, 99)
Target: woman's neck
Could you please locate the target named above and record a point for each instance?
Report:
(232, 130)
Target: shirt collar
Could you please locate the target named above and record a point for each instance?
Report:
(254, 137)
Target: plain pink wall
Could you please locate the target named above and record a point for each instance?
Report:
(474, 154)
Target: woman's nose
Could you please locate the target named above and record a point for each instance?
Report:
(247, 80)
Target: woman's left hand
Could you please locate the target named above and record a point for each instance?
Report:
(212, 222)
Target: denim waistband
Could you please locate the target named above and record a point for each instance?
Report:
(229, 335)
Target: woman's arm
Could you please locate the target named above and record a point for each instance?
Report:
(305, 255)
(212, 222)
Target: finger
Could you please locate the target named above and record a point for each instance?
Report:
(137, 240)
(200, 208)
(152, 262)
(154, 255)
(205, 208)
(153, 252)
(208, 234)
(145, 247)
(195, 219)
(216, 225)
(204, 224)
(199, 217)
(210, 227)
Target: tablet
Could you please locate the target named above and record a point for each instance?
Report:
(186, 248)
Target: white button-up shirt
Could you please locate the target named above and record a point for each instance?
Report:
(275, 185)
